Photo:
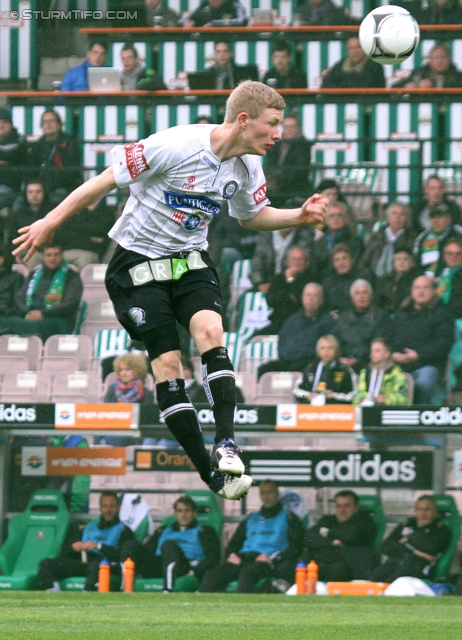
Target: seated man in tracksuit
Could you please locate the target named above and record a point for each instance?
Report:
(265, 545)
(184, 547)
(82, 552)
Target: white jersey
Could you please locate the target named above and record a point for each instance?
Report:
(177, 184)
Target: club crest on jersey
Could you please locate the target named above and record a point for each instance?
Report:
(137, 315)
(229, 189)
(135, 160)
(260, 194)
(188, 221)
(186, 202)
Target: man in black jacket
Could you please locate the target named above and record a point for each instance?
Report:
(59, 157)
(356, 70)
(265, 545)
(183, 547)
(49, 299)
(83, 551)
(414, 547)
(283, 74)
(14, 156)
(439, 72)
(434, 194)
(422, 333)
(342, 544)
(33, 206)
(217, 13)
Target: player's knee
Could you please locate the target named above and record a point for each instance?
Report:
(212, 333)
(168, 365)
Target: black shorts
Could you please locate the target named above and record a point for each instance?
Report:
(160, 304)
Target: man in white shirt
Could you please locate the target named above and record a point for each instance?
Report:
(161, 272)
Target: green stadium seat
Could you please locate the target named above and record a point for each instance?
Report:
(208, 513)
(35, 534)
(451, 518)
(253, 313)
(373, 505)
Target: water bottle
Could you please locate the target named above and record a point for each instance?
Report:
(129, 575)
(312, 573)
(104, 576)
(300, 578)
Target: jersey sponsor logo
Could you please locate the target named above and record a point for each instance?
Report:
(229, 189)
(191, 179)
(188, 187)
(211, 164)
(188, 222)
(185, 202)
(135, 160)
(260, 194)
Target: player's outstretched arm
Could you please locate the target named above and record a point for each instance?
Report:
(41, 231)
(269, 218)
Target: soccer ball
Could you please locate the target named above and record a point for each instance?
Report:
(389, 34)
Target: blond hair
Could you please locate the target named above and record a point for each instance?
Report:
(331, 341)
(136, 363)
(253, 98)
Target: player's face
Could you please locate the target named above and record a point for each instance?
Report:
(425, 512)
(345, 507)
(260, 134)
(269, 495)
(453, 255)
(126, 374)
(184, 514)
(109, 507)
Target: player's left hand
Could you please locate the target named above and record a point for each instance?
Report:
(312, 211)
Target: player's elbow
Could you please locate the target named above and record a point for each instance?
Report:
(247, 224)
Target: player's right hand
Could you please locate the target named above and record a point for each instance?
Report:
(32, 238)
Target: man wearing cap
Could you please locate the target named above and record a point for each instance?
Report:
(13, 158)
(428, 246)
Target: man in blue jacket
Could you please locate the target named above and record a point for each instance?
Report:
(76, 79)
(82, 552)
(266, 546)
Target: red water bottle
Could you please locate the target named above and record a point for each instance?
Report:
(312, 573)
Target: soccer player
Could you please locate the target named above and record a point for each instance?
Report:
(161, 271)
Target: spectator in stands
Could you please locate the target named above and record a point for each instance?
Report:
(331, 190)
(414, 547)
(338, 281)
(383, 381)
(265, 545)
(342, 544)
(421, 333)
(326, 381)
(449, 277)
(391, 290)
(203, 120)
(83, 237)
(157, 13)
(301, 332)
(59, 157)
(288, 163)
(216, 13)
(76, 78)
(428, 246)
(439, 72)
(386, 240)
(283, 74)
(335, 231)
(82, 552)
(271, 251)
(356, 70)
(434, 193)
(321, 12)
(442, 12)
(49, 299)
(10, 282)
(225, 72)
(285, 291)
(130, 385)
(185, 547)
(28, 209)
(14, 157)
(135, 75)
(356, 327)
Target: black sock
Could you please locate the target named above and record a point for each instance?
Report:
(220, 387)
(180, 417)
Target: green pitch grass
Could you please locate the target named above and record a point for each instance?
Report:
(139, 616)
